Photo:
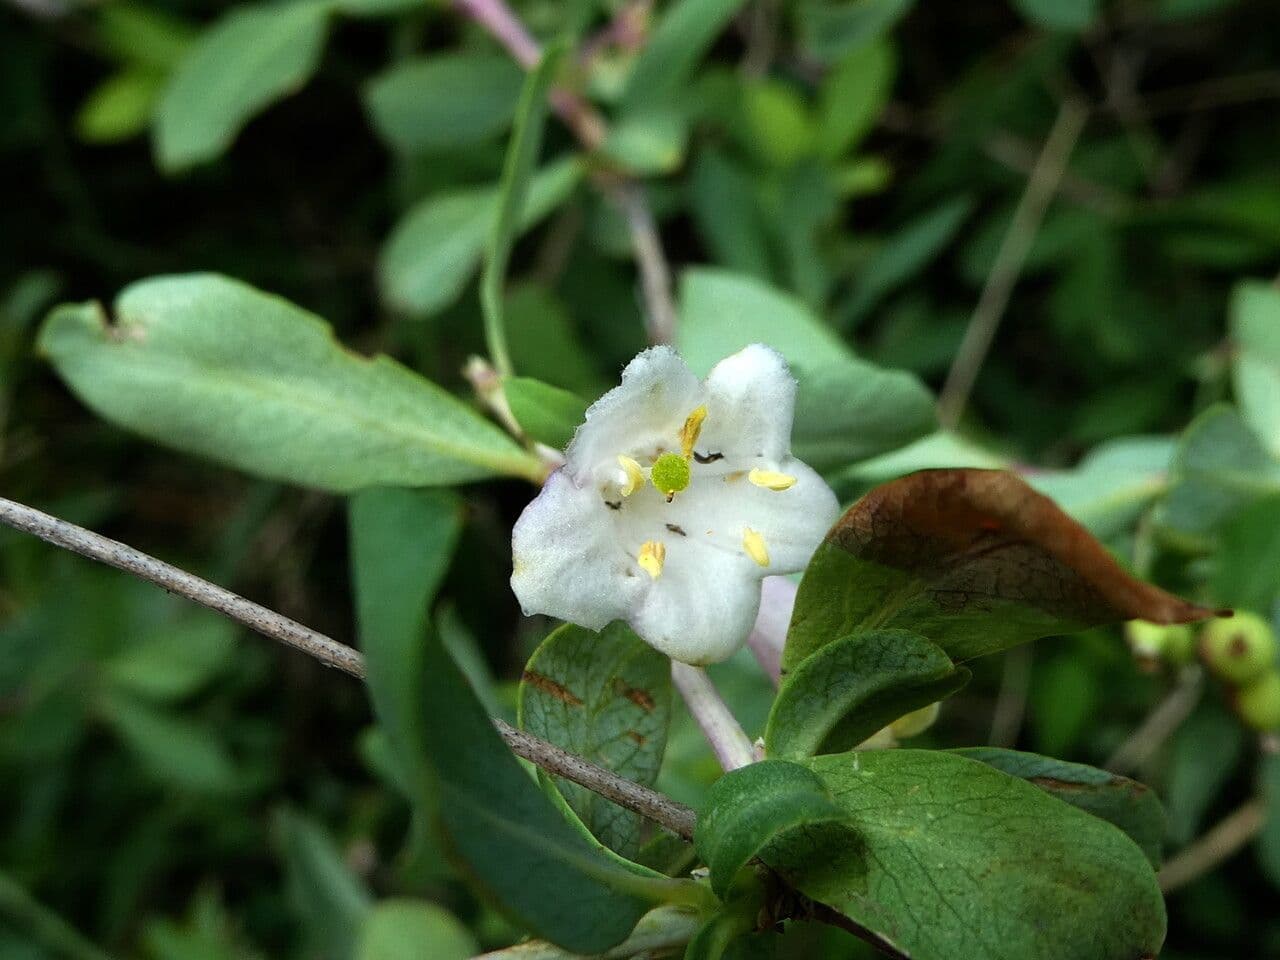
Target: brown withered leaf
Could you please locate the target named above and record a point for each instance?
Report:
(975, 560)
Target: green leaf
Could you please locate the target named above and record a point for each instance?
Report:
(252, 57)
(974, 560)
(846, 408)
(1206, 750)
(1268, 845)
(522, 154)
(682, 37)
(176, 661)
(1113, 484)
(171, 748)
(435, 248)
(1246, 567)
(1255, 328)
(648, 142)
(515, 844)
(849, 689)
(411, 930)
(545, 413)
(1067, 15)
(607, 697)
(443, 102)
(1125, 803)
(945, 857)
(902, 256)
(545, 343)
(728, 215)
(748, 808)
(1219, 468)
(213, 367)
(402, 542)
(853, 95)
(832, 30)
(120, 107)
(331, 901)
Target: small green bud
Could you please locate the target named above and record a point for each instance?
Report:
(1238, 649)
(1258, 703)
(670, 473)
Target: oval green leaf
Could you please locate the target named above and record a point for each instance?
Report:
(851, 688)
(213, 367)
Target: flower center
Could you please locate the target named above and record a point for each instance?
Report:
(670, 474)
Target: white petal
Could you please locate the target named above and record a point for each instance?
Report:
(657, 393)
(566, 558)
(702, 608)
(793, 522)
(751, 398)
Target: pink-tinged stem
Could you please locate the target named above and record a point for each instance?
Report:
(769, 635)
(730, 744)
(503, 25)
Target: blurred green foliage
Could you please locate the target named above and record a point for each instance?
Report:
(837, 177)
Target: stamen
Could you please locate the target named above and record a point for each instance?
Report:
(635, 475)
(670, 474)
(753, 543)
(771, 479)
(651, 557)
(691, 429)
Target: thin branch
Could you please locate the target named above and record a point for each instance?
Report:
(589, 127)
(732, 747)
(1222, 841)
(655, 275)
(1011, 703)
(1159, 724)
(676, 817)
(1027, 217)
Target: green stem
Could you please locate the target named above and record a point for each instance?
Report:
(42, 925)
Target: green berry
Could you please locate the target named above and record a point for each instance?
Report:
(1238, 649)
(1258, 703)
(1155, 641)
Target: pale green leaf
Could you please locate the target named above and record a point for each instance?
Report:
(250, 58)
(174, 662)
(399, 929)
(853, 95)
(1255, 328)
(1067, 15)
(682, 37)
(435, 248)
(213, 367)
(171, 748)
(120, 107)
(443, 102)
(832, 30)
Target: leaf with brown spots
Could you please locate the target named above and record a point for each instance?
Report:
(605, 696)
(975, 560)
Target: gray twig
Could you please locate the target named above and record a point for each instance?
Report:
(1224, 839)
(676, 817)
(1027, 217)
(1159, 724)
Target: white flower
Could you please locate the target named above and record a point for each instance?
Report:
(676, 498)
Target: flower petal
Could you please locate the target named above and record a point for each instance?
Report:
(566, 558)
(751, 398)
(703, 606)
(657, 393)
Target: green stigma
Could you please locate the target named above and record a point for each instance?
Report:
(670, 473)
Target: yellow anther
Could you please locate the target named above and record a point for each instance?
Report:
(753, 543)
(771, 479)
(651, 557)
(635, 475)
(689, 432)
